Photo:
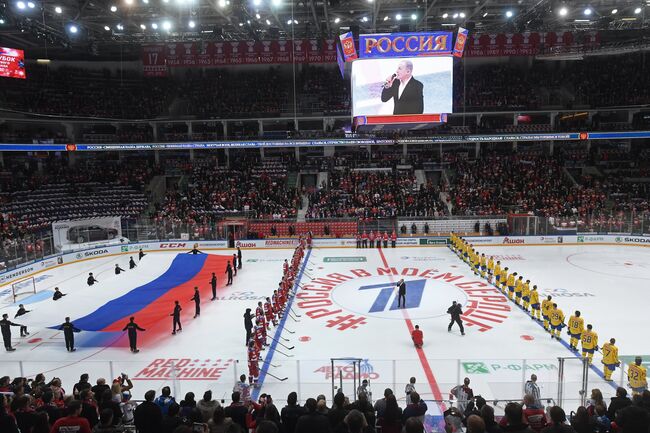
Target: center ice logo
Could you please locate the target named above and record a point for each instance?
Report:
(414, 290)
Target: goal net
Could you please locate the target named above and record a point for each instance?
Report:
(22, 288)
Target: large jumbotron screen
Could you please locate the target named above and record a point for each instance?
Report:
(412, 85)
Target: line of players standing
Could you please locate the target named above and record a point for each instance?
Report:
(271, 311)
(369, 240)
(519, 291)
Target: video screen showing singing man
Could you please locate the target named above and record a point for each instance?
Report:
(406, 90)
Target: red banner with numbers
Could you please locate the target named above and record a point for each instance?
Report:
(157, 58)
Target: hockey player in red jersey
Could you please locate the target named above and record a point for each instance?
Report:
(253, 363)
(268, 313)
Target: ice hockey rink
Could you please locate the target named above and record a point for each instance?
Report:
(345, 307)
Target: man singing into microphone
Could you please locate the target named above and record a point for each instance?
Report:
(406, 90)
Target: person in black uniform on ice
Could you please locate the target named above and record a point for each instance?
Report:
(195, 250)
(234, 264)
(5, 327)
(91, 280)
(68, 333)
(197, 302)
(213, 285)
(401, 293)
(455, 311)
(133, 329)
(248, 325)
(176, 317)
(118, 269)
(132, 263)
(20, 312)
(239, 257)
(140, 254)
(229, 273)
(57, 294)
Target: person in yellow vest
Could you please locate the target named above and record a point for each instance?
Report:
(483, 265)
(557, 322)
(547, 306)
(525, 295)
(589, 342)
(490, 269)
(534, 304)
(576, 326)
(511, 285)
(636, 375)
(610, 358)
(519, 287)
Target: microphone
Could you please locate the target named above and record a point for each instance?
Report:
(392, 77)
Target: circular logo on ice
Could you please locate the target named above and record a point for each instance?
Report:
(377, 296)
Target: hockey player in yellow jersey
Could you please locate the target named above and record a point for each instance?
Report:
(497, 273)
(610, 358)
(534, 304)
(476, 260)
(557, 322)
(525, 295)
(589, 342)
(483, 263)
(511, 285)
(519, 287)
(576, 326)
(492, 269)
(504, 277)
(636, 375)
(547, 306)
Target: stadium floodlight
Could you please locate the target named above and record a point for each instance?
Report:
(295, 21)
(120, 27)
(222, 3)
(509, 14)
(21, 5)
(462, 14)
(145, 2)
(2, 21)
(386, 18)
(484, 14)
(563, 12)
(165, 1)
(31, 5)
(73, 29)
(637, 11)
(258, 16)
(268, 23)
(58, 10)
(614, 11)
(113, 8)
(108, 29)
(241, 24)
(128, 2)
(364, 19)
(143, 27)
(288, 22)
(191, 24)
(414, 17)
(167, 25)
(455, 15)
(276, 3)
(445, 15)
(154, 26)
(398, 17)
(587, 11)
(338, 20)
(257, 2)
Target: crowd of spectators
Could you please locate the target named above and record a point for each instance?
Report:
(41, 406)
(374, 194)
(233, 93)
(252, 186)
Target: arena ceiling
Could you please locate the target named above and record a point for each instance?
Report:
(94, 25)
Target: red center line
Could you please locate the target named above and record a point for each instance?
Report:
(433, 384)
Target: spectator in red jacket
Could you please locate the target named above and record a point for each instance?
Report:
(73, 422)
